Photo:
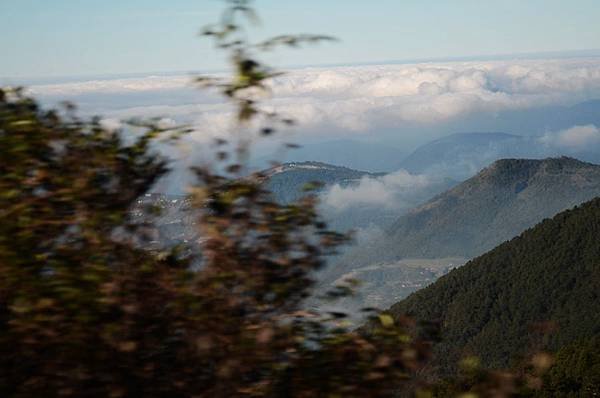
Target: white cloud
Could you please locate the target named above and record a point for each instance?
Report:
(390, 191)
(111, 124)
(359, 99)
(577, 138)
(114, 86)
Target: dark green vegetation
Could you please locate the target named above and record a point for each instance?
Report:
(497, 204)
(573, 372)
(547, 278)
(576, 372)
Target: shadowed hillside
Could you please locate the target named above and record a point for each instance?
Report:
(497, 204)
(487, 307)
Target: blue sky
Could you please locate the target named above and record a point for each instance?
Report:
(89, 37)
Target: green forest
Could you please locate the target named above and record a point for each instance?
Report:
(539, 290)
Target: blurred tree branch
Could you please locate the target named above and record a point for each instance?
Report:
(85, 311)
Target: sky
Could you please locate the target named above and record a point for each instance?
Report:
(43, 38)
(403, 74)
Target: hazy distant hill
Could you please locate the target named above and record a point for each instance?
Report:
(497, 204)
(358, 155)
(287, 181)
(563, 117)
(487, 307)
(462, 155)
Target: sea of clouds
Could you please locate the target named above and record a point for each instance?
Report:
(573, 140)
(412, 101)
(353, 100)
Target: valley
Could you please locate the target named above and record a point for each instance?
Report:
(400, 250)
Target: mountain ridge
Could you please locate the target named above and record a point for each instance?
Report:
(287, 180)
(550, 273)
(495, 205)
(461, 154)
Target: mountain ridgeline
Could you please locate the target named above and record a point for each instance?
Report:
(550, 273)
(497, 204)
(287, 181)
(358, 155)
(463, 154)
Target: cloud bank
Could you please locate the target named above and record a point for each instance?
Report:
(391, 191)
(113, 86)
(574, 139)
(360, 99)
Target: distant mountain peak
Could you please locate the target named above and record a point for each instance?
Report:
(460, 155)
(287, 180)
(496, 204)
(306, 165)
(518, 169)
(564, 161)
(358, 155)
(476, 136)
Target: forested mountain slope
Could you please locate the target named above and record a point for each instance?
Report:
(551, 273)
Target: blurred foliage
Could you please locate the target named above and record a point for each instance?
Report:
(576, 371)
(249, 84)
(87, 311)
(474, 380)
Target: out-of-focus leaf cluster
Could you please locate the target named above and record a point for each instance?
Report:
(249, 82)
(81, 302)
(473, 380)
(86, 311)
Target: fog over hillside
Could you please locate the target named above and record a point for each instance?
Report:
(499, 203)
